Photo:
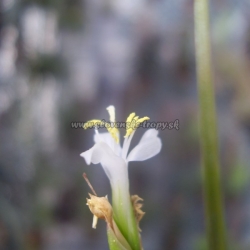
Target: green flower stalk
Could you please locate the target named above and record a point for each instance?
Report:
(114, 160)
(208, 130)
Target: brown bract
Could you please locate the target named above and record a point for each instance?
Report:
(101, 208)
(135, 199)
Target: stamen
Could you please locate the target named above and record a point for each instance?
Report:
(141, 120)
(130, 117)
(92, 123)
(110, 127)
(132, 123)
(114, 133)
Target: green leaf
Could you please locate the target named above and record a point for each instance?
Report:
(214, 209)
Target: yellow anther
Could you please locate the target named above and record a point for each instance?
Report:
(109, 126)
(92, 123)
(130, 117)
(136, 118)
(145, 118)
(113, 132)
(133, 123)
(112, 129)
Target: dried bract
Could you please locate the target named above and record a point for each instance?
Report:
(100, 208)
(135, 199)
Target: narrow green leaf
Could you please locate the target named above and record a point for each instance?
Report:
(215, 224)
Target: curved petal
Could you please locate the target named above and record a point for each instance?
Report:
(149, 146)
(114, 166)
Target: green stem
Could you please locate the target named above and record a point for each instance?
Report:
(208, 128)
(124, 215)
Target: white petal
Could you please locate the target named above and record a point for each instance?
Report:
(114, 166)
(149, 146)
(104, 137)
(150, 133)
(126, 144)
(107, 138)
(87, 155)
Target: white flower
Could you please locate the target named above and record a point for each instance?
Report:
(111, 155)
(114, 160)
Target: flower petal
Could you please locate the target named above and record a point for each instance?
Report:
(107, 138)
(149, 146)
(104, 137)
(114, 166)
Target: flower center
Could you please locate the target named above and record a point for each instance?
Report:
(132, 123)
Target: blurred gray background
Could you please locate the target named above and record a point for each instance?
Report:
(65, 61)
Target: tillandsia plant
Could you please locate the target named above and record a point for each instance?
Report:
(125, 213)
